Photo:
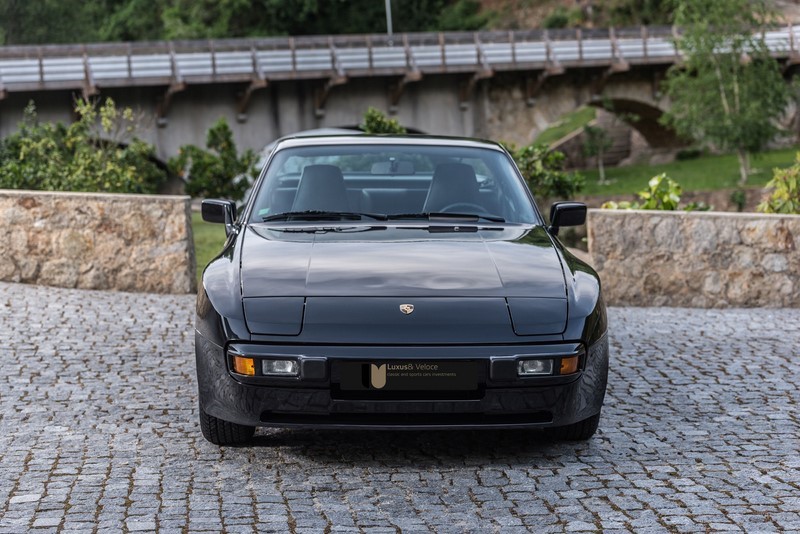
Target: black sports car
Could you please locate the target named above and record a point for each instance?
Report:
(397, 282)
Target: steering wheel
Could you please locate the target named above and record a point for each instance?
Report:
(471, 207)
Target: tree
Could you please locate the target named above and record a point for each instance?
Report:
(220, 171)
(375, 122)
(62, 21)
(596, 143)
(543, 169)
(49, 21)
(729, 92)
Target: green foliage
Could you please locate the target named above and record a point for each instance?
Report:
(596, 143)
(50, 21)
(610, 13)
(662, 193)
(784, 195)
(730, 91)
(739, 199)
(220, 171)
(688, 153)
(558, 18)
(130, 20)
(70, 21)
(543, 169)
(462, 15)
(98, 152)
(638, 12)
(376, 122)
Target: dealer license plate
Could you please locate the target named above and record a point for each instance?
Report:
(408, 375)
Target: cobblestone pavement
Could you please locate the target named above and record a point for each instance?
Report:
(98, 432)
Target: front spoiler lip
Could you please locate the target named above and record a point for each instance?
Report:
(406, 427)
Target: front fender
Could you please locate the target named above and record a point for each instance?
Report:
(220, 315)
(586, 320)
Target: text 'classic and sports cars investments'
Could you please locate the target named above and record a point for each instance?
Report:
(397, 282)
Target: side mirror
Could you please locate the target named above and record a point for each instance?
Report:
(219, 211)
(566, 214)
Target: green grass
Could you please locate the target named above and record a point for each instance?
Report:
(568, 124)
(208, 241)
(705, 173)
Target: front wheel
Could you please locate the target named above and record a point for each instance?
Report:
(221, 432)
(580, 431)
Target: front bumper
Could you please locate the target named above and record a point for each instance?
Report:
(501, 402)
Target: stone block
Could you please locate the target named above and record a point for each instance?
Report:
(140, 243)
(696, 259)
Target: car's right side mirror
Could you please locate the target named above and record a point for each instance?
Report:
(219, 211)
(566, 214)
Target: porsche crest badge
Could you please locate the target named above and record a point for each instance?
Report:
(407, 309)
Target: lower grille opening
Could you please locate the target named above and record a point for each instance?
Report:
(420, 395)
(408, 419)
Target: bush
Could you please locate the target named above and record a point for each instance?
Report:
(463, 15)
(784, 195)
(562, 17)
(98, 153)
(220, 171)
(543, 169)
(739, 199)
(688, 153)
(556, 19)
(662, 193)
(375, 122)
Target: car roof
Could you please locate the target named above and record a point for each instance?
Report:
(364, 139)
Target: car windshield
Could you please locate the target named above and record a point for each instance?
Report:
(384, 182)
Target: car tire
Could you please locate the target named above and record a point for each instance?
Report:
(221, 432)
(580, 431)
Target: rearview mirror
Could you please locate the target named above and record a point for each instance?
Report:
(566, 214)
(393, 167)
(219, 211)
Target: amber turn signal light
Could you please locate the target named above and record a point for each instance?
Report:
(244, 365)
(569, 365)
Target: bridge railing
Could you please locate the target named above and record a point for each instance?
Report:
(88, 66)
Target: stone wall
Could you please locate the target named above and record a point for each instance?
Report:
(97, 241)
(697, 259)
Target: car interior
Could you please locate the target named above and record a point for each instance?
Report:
(451, 187)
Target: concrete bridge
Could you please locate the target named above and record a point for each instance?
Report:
(500, 85)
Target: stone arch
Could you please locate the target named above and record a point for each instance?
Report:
(646, 120)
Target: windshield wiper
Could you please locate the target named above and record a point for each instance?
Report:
(313, 215)
(433, 216)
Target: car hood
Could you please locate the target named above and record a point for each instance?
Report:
(380, 261)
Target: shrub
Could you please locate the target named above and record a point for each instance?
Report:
(556, 19)
(739, 199)
(98, 152)
(688, 153)
(220, 171)
(784, 195)
(662, 193)
(375, 122)
(543, 169)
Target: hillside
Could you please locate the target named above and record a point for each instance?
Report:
(520, 14)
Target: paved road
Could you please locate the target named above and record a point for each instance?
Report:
(98, 432)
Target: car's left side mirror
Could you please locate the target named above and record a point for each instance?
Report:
(219, 211)
(566, 214)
